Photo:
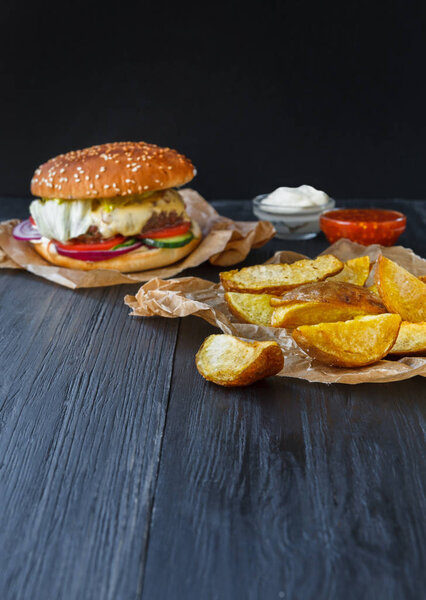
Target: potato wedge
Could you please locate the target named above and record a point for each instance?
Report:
(250, 308)
(229, 361)
(276, 279)
(400, 291)
(310, 313)
(324, 302)
(355, 270)
(335, 294)
(373, 289)
(356, 343)
(411, 340)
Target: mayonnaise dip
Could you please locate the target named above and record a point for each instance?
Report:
(287, 200)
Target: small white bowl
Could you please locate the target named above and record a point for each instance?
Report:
(300, 225)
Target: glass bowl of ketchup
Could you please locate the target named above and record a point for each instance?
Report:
(363, 225)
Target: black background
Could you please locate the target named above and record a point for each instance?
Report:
(257, 94)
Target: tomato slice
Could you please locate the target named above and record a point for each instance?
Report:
(167, 231)
(33, 223)
(102, 245)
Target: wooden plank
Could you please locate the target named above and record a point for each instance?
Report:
(288, 489)
(284, 490)
(83, 399)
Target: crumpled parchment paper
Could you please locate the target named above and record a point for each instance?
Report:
(193, 296)
(225, 242)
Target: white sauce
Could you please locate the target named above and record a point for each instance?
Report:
(287, 200)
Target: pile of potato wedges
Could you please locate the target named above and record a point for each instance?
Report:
(331, 313)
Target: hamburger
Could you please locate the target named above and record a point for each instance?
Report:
(112, 206)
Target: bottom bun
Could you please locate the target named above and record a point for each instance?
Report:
(137, 260)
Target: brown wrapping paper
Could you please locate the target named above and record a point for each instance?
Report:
(194, 296)
(225, 242)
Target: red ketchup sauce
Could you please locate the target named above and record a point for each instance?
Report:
(363, 225)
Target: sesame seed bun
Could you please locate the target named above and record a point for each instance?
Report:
(110, 171)
(140, 259)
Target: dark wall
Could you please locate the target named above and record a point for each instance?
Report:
(257, 94)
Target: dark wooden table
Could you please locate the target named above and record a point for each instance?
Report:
(125, 475)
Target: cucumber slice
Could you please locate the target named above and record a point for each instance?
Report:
(128, 242)
(171, 242)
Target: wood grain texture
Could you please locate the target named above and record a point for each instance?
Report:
(288, 489)
(124, 475)
(84, 394)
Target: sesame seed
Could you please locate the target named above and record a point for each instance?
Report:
(106, 186)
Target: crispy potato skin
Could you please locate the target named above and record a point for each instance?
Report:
(411, 340)
(311, 313)
(250, 308)
(335, 294)
(356, 271)
(400, 291)
(277, 279)
(334, 318)
(357, 343)
(228, 361)
(373, 289)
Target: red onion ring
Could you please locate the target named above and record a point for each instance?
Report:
(96, 255)
(25, 231)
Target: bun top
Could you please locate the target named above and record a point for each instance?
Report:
(111, 170)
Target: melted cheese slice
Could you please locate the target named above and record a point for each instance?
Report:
(65, 219)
